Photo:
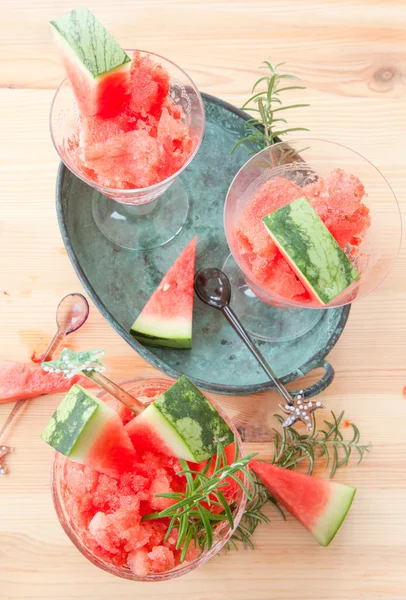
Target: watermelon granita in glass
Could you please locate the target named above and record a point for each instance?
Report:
(311, 225)
(103, 514)
(126, 123)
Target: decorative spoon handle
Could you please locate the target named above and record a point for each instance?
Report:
(115, 390)
(238, 328)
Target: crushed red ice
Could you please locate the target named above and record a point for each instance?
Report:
(107, 513)
(338, 202)
(142, 145)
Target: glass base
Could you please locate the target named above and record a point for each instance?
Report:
(263, 321)
(142, 226)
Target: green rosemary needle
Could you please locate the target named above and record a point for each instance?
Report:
(190, 514)
(265, 106)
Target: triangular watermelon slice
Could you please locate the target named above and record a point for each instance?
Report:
(22, 381)
(320, 505)
(166, 319)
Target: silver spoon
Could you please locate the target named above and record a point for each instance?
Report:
(213, 287)
(72, 313)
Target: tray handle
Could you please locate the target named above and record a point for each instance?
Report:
(322, 384)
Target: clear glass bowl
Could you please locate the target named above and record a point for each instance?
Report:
(304, 161)
(145, 389)
(122, 215)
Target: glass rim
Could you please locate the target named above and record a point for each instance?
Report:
(121, 572)
(155, 186)
(286, 301)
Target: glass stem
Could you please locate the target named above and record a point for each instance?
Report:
(115, 390)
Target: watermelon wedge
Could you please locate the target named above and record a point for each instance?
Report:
(89, 432)
(182, 423)
(97, 67)
(319, 505)
(166, 319)
(21, 381)
(311, 250)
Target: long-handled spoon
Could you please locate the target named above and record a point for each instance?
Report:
(213, 287)
(72, 313)
(117, 391)
(88, 364)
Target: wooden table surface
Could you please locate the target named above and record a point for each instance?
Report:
(351, 55)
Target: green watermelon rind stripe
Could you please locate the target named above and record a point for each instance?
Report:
(69, 420)
(194, 418)
(334, 514)
(76, 424)
(90, 42)
(294, 228)
(170, 332)
(153, 340)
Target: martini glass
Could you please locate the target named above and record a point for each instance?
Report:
(143, 218)
(266, 314)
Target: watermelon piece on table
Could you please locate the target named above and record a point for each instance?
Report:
(90, 432)
(97, 67)
(23, 381)
(181, 422)
(319, 505)
(311, 250)
(166, 319)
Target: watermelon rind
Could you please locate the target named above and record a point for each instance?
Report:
(194, 419)
(167, 433)
(334, 514)
(87, 40)
(311, 250)
(76, 423)
(153, 331)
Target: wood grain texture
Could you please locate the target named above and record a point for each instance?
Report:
(351, 55)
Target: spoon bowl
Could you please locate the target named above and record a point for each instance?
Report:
(71, 313)
(213, 287)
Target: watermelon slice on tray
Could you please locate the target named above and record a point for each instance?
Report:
(97, 67)
(166, 319)
(319, 505)
(90, 432)
(23, 381)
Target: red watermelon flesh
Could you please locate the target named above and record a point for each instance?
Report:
(145, 438)
(166, 319)
(22, 381)
(105, 96)
(112, 452)
(319, 505)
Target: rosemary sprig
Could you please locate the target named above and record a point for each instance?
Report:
(190, 514)
(292, 447)
(266, 106)
(252, 517)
